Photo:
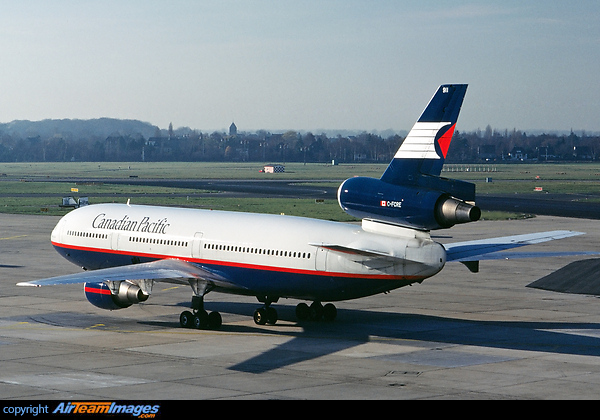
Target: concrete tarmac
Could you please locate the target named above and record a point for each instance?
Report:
(458, 335)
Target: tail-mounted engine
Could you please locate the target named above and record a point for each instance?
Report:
(114, 295)
(437, 204)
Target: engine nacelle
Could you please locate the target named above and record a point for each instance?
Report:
(412, 206)
(450, 211)
(101, 295)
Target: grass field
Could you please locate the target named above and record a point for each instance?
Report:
(582, 178)
(183, 170)
(21, 182)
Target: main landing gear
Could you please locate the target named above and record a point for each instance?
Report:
(315, 312)
(266, 314)
(199, 318)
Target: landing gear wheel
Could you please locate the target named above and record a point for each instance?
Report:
(200, 320)
(264, 316)
(302, 311)
(185, 319)
(214, 320)
(260, 316)
(316, 311)
(271, 316)
(329, 312)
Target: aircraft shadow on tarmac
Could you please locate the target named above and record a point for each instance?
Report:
(355, 327)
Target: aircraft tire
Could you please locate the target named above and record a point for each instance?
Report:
(260, 316)
(329, 312)
(271, 316)
(200, 320)
(196, 322)
(316, 311)
(302, 311)
(185, 319)
(214, 320)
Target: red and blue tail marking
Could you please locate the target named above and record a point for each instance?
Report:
(424, 150)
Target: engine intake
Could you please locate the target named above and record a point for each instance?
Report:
(102, 296)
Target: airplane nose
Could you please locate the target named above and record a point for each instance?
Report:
(56, 234)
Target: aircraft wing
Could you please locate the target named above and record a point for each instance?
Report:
(488, 249)
(170, 270)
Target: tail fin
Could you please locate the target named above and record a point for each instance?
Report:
(424, 149)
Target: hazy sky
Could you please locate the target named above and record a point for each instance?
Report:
(301, 64)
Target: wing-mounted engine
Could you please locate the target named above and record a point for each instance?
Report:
(114, 295)
(413, 206)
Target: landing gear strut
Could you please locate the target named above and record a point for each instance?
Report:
(199, 318)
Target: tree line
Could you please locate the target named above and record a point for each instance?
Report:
(517, 146)
(291, 146)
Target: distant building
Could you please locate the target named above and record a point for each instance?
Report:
(487, 152)
(232, 130)
(273, 169)
(518, 154)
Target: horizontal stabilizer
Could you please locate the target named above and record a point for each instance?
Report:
(524, 255)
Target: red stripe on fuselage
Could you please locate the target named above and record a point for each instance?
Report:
(241, 265)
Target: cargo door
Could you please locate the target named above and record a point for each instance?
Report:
(114, 241)
(321, 259)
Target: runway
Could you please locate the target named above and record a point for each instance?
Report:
(456, 336)
(584, 206)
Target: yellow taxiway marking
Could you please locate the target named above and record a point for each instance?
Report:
(170, 288)
(13, 237)
(95, 326)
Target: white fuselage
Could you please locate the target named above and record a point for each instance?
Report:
(258, 254)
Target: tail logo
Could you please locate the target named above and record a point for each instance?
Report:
(445, 140)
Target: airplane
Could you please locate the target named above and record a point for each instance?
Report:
(124, 249)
